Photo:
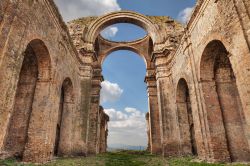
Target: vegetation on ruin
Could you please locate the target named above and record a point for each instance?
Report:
(121, 158)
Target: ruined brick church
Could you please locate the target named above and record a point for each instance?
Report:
(198, 81)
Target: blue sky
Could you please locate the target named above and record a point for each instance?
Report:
(157, 7)
(124, 95)
(128, 70)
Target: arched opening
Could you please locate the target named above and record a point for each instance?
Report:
(122, 17)
(35, 68)
(142, 47)
(123, 32)
(185, 119)
(223, 105)
(124, 99)
(64, 121)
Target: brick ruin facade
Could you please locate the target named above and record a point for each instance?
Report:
(197, 81)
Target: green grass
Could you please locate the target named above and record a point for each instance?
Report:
(120, 158)
(190, 161)
(133, 158)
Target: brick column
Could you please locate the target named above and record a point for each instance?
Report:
(39, 147)
(87, 56)
(100, 128)
(200, 127)
(106, 137)
(154, 124)
(94, 110)
(168, 122)
(148, 131)
(103, 128)
(10, 65)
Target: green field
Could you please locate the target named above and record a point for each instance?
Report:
(120, 158)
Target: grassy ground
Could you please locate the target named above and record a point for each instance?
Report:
(120, 158)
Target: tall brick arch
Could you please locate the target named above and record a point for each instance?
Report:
(32, 90)
(185, 119)
(99, 48)
(156, 48)
(223, 104)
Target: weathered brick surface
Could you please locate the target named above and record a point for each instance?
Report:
(213, 58)
(197, 81)
(30, 99)
(148, 131)
(102, 135)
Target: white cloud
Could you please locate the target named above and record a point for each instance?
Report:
(110, 92)
(115, 115)
(109, 32)
(127, 127)
(185, 15)
(72, 9)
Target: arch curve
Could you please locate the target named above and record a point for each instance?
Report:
(67, 87)
(121, 17)
(212, 50)
(124, 48)
(43, 58)
(143, 47)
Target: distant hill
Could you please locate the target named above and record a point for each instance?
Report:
(114, 147)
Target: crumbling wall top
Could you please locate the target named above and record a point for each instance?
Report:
(163, 30)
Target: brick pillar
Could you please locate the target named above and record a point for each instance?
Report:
(148, 131)
(167, 112)
(85, 74)
(94, 111)
(106, 138)
(100, 128)
(154, 124)
(80, 139)
(10, 65)
(103, 127)
(242, 8)
(200, 127)
(39, 147)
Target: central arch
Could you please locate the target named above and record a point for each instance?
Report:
(100, 48)
(121, 17)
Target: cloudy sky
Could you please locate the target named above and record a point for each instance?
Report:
(124, 95)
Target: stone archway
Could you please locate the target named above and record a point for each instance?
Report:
(154, 135)
(64, 121)
(154, 138)
(101, 48)
(121, 17)
(156, 49)
(35, 69)
(223, 105)
(185, 119)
